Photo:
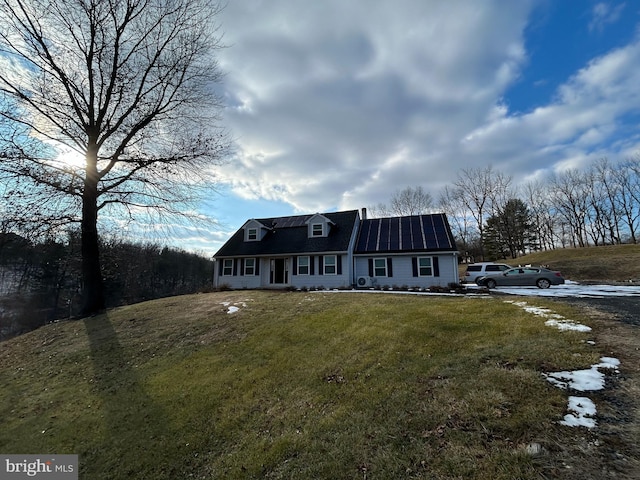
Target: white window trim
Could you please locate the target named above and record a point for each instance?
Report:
(375, 268)
(253, 267)
(225, 267)
(334, 265)
(249, 232)
(430, 266)
(308, 265)
(315, 232)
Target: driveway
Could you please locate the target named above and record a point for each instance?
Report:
(621, 301)
(572, 289)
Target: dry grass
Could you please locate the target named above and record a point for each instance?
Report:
(610, 263)
(294, 385)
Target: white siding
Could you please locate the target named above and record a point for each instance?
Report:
(324, 281)
(263, 279)
(402, 270)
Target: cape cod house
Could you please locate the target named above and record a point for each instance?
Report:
(339, 250)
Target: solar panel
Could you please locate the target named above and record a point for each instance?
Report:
(394, 234)
(383, 243)
(427, 228)
(363, 239)
(442, 232)
(289, 222)
(374, 240)
(403, 234)
(406, 238)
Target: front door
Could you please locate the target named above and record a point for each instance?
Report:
(279, 271)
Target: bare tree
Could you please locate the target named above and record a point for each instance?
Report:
(568, 192)
(453, 204)
(627, 178)
(544, 222)
(125, 88)
(484, 192)
(409, 201)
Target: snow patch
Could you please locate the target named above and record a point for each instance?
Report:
(233, 308)
(554, 319)
(582, 412)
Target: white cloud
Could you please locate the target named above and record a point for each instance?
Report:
(604, 14)
(586, 113)
(338, 104)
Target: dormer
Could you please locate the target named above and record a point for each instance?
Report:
(318, 226)
(254, 231)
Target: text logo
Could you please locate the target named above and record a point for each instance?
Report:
(45, 467)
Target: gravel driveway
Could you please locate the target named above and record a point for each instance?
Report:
(625, 309)
(621, 301)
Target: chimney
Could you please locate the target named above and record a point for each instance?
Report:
(364, 214)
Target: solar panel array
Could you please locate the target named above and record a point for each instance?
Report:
(419, 232)
(286, 222)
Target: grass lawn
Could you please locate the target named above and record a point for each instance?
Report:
(293, 385)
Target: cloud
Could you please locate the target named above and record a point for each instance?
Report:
(578, 126)
(603, 15)
(339, 104)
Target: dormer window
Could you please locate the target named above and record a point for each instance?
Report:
(318, 226)
(252, 234)
(317, 230)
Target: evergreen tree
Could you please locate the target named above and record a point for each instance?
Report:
(510, 232)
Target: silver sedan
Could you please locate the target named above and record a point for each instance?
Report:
(522, 277)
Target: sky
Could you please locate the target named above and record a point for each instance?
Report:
(336, 105)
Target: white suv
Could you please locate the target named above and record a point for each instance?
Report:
(477, 270)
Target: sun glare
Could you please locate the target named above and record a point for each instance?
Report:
(70, 160)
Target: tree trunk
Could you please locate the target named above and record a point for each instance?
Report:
(92, 285)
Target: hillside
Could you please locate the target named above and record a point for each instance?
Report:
(610, 264)
(254, 384)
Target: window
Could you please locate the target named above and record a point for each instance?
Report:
(303, 265)
(379, 267)
(317, 230)
(424, 267)
(249, 266)
(329, 264)
(252, 234)
(227, 267)
(496, 268)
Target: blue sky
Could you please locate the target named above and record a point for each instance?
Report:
(338, 104)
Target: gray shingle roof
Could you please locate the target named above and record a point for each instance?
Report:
(289, 235)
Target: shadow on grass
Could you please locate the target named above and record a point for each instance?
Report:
(137, 441)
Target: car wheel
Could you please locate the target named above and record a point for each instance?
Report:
(543, 283)
(491, 284)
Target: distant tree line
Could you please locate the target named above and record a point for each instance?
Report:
(491, 218)
(41, 281)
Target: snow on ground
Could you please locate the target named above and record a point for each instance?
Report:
(554, 319)
(591, 379)
(233, 308)
(571, 289)
(581, 411)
